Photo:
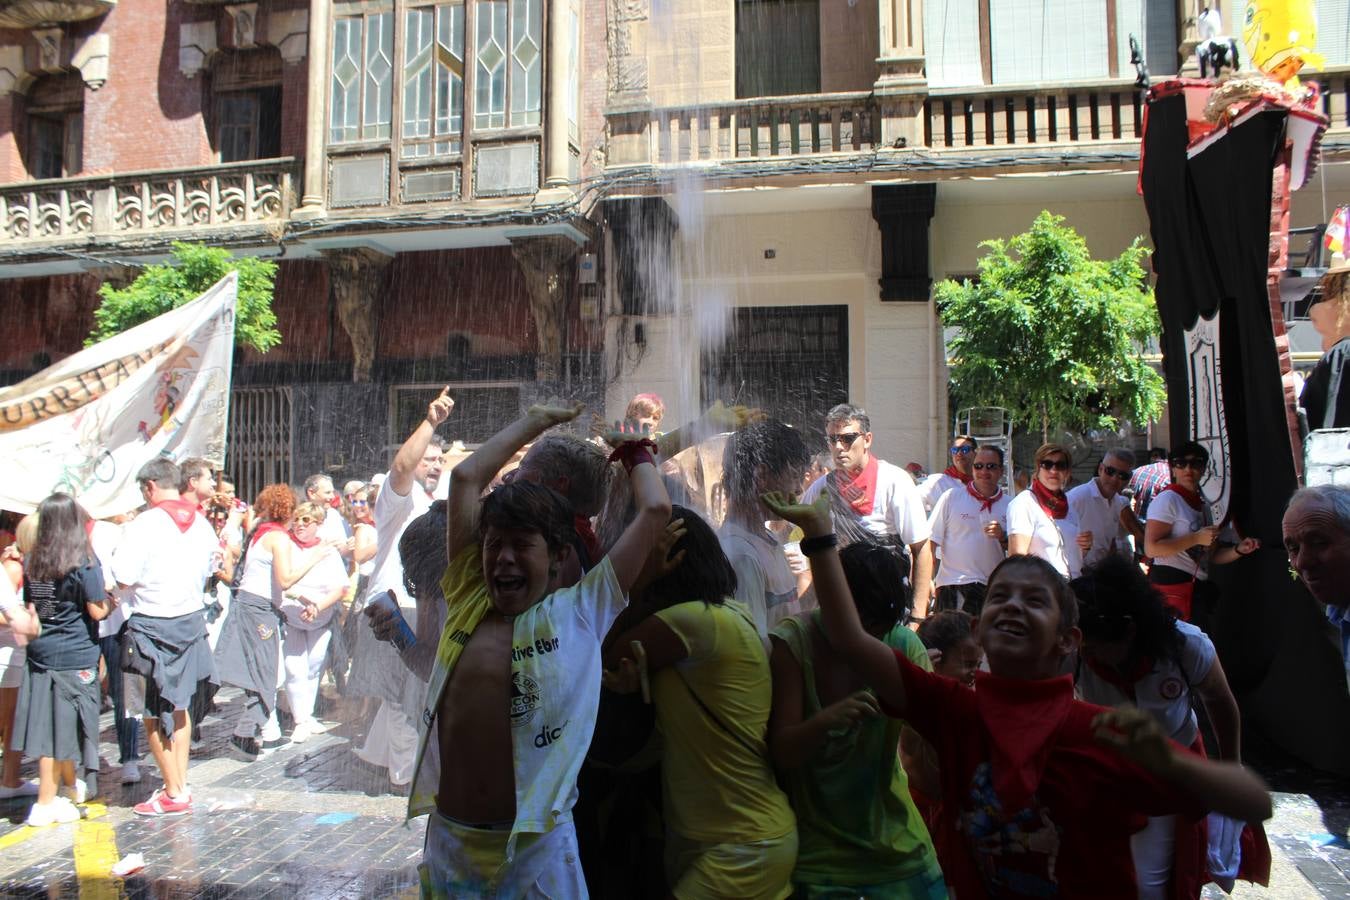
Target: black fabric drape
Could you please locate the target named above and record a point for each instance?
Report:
(1210, 218)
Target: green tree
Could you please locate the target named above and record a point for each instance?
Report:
(1052, 335)
(191, 271)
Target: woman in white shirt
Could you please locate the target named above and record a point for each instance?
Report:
(308, 606)
(1040, 522)
(1180, 534)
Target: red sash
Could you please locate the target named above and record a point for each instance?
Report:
(183, 512)
(861, 490)
(956, 473)
(1193, 500)
(1055, 504)
(1021, 717)
(986, 503)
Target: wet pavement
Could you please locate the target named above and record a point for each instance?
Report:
(306, 820)
(312, 820)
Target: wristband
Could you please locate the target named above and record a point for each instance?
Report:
(634, 453)
(818, 544)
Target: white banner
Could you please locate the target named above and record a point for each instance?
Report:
(86, 425)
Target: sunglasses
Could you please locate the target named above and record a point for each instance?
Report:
(1190, 462)
(360, 502)
(302, 521)
(1060, 464)
(963, 450)
(1112, 472)
(846, 439)
(980, 467)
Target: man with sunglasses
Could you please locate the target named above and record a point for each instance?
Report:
(1181, 535)
(1100, 507)
(956, 475)
(969, 526)
(874, 500)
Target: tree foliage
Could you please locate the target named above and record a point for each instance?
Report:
(1052, 335)
(191, 271)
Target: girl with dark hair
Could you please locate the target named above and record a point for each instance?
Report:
(950, 638)
(711, 688)
(835, 753)
(59, 705)
(1135, 652)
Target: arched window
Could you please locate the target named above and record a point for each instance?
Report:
(246, 104)
(54, 109)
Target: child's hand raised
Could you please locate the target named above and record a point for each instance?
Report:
(814, 518)
(1135, 735)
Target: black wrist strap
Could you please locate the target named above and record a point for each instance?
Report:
(813, 545)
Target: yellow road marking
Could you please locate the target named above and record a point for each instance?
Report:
(23, 833)
(95, 855)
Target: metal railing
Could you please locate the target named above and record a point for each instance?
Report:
(229, 194)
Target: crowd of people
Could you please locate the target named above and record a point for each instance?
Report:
(836, 681)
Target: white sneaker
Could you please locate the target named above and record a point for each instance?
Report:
(58, 812)
(25, 789)
(272, 730)
(302, 732)
(131, 773)
(76, 792)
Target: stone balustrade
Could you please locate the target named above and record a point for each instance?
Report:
(1015, 115)
(148, 203)
(764, 127)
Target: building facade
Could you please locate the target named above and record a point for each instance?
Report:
(744, 200)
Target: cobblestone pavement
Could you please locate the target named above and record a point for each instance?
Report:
(312, 821)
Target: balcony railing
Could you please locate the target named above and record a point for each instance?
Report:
(135, 204)
(1003, 115)
(763, 127)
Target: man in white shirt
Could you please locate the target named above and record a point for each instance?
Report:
(1100, 507)
(956, 475)
(319, 489)
(969, 526)
(764, 457)
(874, 500)
(163, 560)
(377, 671)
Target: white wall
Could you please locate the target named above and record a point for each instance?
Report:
(821, 256)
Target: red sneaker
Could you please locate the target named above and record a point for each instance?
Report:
(161, 804)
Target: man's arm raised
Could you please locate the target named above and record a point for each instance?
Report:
(415, 447)
(471, 477)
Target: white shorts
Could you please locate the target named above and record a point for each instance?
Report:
(462, 862)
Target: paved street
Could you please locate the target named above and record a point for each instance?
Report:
(307, 821)
(313, 821)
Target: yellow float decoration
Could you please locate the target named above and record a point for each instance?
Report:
(1280, 36)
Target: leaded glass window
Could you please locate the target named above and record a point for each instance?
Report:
(433, 81)
(361, 107)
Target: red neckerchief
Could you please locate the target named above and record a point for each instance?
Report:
(986, 503)
(1021, 718)
(183, 512)
(861, 490)
(1055, 504)
(264, 529)
(1194, 500)
(956, 473)
(304, 545)
(1120, 681)
(582, 526)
